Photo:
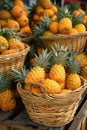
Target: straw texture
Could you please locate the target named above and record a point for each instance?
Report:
(7, 62)
(74, 42)
(51, 110)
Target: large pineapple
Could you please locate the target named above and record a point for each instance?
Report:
(57, 71)
(64, 19)
(73, 80)
(37, 72)
(7, 100)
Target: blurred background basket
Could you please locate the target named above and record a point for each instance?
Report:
(51, 110)
(7, 62)
(74, 42)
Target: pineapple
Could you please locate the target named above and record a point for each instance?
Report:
(73, 80)
(7, 100)
(82, 58)
(64, 19)
(42, 26)
(41, 64)
(78, 23)
(10, 51)
(37, 73)
(83, 72)
(3, 44)
(51, 86)
(57, 71)
(16, 44)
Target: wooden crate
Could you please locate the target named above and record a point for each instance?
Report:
(19, 120)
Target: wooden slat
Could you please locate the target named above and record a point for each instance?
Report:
(77, 122)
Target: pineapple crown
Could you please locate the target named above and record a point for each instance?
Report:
(57, 48)
(64, 12)
(31, 9)
(7, 33)
(59, 56)
(74, 6)
(42, 26)
(19, 76)
(73, 66)
(6, 4)
(43, 60)
(4, 84)
(77, 19)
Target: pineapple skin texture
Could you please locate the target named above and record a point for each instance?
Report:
(65, 25)
(7, 100)
(57, 73)
(80, 28)
(3, 44)
(83, 72)
(52, 87)
(37, 74)
(73, 81)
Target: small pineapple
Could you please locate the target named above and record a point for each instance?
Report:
(10, 51)
(83, 72)
(52, 87)
(73, 80)
(82, 58)
(3, 44)
(7, 100)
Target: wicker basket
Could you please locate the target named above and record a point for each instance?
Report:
(74, 42)
(7, 62)
(51, 110)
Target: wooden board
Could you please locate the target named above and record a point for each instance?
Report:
(19, 119)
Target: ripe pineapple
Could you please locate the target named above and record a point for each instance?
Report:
(57, 71)
(83, 72)
(82, 58)
(78, 23)
(5, 14)
(52, 87)
(16, 44)
(64, 19)
(3, 44)
(8, 52)
(7, 100)
(37, 73)
(73, 80)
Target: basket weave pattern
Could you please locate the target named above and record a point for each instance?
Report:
(51, 110)
(7, 62)
(74, 42)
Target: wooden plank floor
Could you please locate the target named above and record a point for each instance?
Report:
(19, 119)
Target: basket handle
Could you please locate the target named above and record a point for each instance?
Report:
(20, 89)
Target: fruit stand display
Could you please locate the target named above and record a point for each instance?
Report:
(43, 65)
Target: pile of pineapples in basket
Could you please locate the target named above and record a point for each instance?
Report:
(59, 69)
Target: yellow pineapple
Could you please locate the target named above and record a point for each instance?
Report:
(80, 28)
(73, 80)
(7, 100)
(37, 72)
(57, 71)
(3, 44)
(83, 72)
(64, 19)
(82, 58)
(8, 52)
(51, 86)
(40, 66)
(54, 27)
(16, 44)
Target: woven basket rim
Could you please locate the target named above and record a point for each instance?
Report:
(27, 48)
(20, 89)
(54, 37)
